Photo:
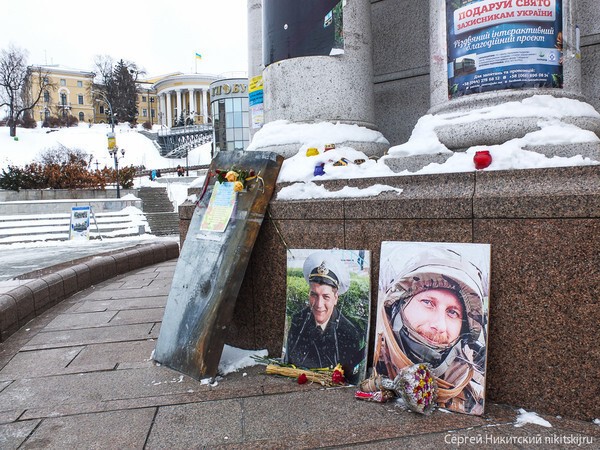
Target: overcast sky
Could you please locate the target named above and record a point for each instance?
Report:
(159, 36)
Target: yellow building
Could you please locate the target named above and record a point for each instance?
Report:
(68, 93)
(146, 102)
(161, 100)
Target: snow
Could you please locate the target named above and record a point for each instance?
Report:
(300, 168)
(596, 421)
(280, 132)
(525, 417)
(234, 359)
(311, 190)
(512, 155)
(139, 150)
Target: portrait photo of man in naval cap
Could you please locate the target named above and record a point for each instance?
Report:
(432, 308)
(319, 333)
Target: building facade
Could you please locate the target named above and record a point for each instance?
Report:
(164, 100)
(230, 117)
(147, 102)
(183, 99)
(68, 92)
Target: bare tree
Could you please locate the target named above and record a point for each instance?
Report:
(16, 85)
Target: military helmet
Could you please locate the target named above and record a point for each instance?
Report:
(442, 269)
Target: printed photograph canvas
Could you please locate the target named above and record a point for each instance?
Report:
(327, 310)
(432, 307)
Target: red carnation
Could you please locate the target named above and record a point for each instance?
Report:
(337, 377)
(302, 378)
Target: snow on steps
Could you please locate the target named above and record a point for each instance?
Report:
(130, 221)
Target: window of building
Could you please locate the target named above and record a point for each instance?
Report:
(46, 97)
(101, 109)
(143, 99)
(144, 112)
(63, 82)
(80, 83)
(80, 99)
(152, 113)
(46, 80)
(81, 117)
(63, 99)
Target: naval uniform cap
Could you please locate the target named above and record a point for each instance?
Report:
(324, 267)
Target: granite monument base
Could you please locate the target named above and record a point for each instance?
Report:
(544, 229)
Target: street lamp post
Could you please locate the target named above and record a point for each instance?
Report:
(115, 154)
(113, 149)
(110, 111)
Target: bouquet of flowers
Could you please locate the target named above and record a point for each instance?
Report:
(415, 385)
(325, 376)
(239, 177)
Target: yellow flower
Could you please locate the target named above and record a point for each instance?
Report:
(232, 175)
(238, 186)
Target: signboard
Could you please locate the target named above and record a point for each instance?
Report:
(503, 44)
(433, 307)
(79, 228)
(294, 28)
(256, 101)
(112, 141)
(220, 208)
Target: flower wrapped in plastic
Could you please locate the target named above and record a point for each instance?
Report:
(415, 385)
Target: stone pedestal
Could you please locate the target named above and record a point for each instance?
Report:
(495, 117)
(491, 132)
(544, 228)
(339, 88)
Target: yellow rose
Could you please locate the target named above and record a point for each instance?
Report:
(231, 176)
(238, 186)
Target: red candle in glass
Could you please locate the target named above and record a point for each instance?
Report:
(482, 159)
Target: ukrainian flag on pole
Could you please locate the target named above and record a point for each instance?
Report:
(198, 55)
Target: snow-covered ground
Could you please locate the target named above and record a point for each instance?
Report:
(299, 169)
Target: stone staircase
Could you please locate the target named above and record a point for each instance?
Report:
(159, 211)
(56, 226)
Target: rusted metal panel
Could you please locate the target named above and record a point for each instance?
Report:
(211, 268)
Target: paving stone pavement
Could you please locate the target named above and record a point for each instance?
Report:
(81, 376)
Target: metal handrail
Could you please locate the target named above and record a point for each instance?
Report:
(185, 130)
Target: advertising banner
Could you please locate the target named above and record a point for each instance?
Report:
(255, 100)
(503, 44)
(293, 28)
(79, 228)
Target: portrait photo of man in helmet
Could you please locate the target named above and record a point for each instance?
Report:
(433, 308)
(326, 324)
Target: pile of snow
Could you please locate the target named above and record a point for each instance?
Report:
(281, 132)
(530, 417)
